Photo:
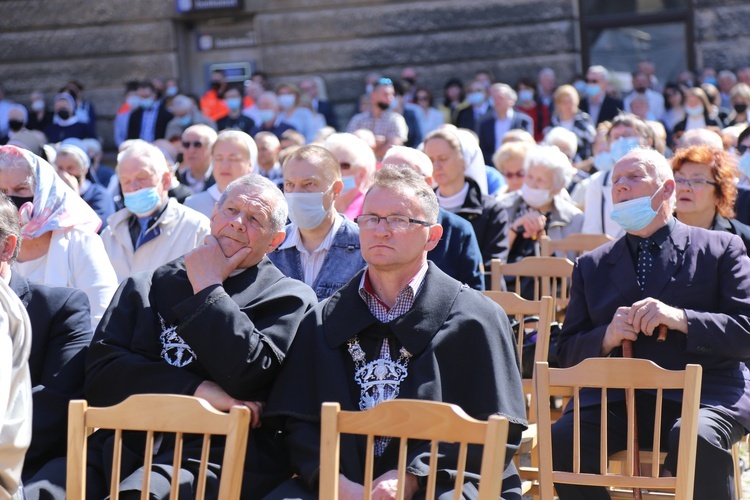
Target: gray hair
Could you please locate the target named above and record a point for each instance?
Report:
(272, 194)
(269, 96)
(656, 163)
(182, 102)
(557, 135)
(599, 70)
(414, 158)
(504, 89)
(552, 159)
(145, 151)
(726, 73)
(239, 137)
(9, 224)
(404, 179)
(204, 131)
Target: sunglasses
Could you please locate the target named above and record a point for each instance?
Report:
(592, 81)
(195, 144)
(517, 175)
(345, 165)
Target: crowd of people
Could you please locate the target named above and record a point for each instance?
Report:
(246, 250)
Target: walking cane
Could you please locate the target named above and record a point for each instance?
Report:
(627, 352)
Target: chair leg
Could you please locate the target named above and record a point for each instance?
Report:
(737, 472)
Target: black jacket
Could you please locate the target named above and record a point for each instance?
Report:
(160, 128)
(611, 107)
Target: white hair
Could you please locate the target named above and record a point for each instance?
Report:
(259, 184)
(504, 89)
(146, 152)
(552, 159)
(557, 136)
(657, 164)
(239, 137)
(182, 102)
(363, 156)
(414, 158)
(599, 70)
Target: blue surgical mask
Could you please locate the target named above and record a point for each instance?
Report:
(745, 164)
(580, 86)
(286, 101)
(306, 210)
(475, 98)
(233, 103)
(525, 95)
(593, 90)
(142, 202)
(171, 91)
(185, 120)
(266, 115)
(349, 183)
(694, 110)
(635, 214)
(603, 161)
(147, 102)
(621, 147)
(710, 80)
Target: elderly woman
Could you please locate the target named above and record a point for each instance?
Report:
(357, 162)
(233, 155)
(509, 160)
(60, 245)
(706, 190)
(567, 115)
(73, 165)
(452, 153)
(539, 208)
(698, 111)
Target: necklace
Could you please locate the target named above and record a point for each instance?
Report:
(379, 379)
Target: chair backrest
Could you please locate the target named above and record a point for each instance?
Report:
(578, 243)
(629, 374)
(517, 309)
(164, 413)
(414, 419)
(551, 276)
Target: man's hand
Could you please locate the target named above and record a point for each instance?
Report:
(207, 265)
(219, 399)
(532, 222)
(646, 315)
(386, 486)
(349, 490)
(619, 329)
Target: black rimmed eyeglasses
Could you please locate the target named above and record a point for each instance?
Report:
(395, 222)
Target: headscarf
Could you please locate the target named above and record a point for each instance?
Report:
(56, 205)
(64, 96)
(22, 109)
(473, 158)
(76, 151)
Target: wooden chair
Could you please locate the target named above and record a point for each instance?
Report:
(414, 419)
(578, 243)
(631, 374)
(551, 277)
(159, 413)
(517, 309)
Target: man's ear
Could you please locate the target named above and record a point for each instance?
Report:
(277, 240)
(436, 232)
(9, 247)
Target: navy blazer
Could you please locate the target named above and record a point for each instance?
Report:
(704, 272)
(163, 117)
(61, 331)
(325, 108)
(487, 132)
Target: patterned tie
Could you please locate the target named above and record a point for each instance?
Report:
(645, 261)
(382, 441)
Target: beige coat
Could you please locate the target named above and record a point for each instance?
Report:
(182, 229)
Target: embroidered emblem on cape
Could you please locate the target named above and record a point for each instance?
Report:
(174, 350)
(379, 379)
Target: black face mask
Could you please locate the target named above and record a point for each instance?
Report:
(740, 108)
(383, 105)
(179, 158)
(410, 81)
(215, 85)
(64, 114)
(640, 90)
(18, 201)
(15, 125)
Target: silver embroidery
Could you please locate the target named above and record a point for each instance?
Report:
(379, 379)
(174, 349)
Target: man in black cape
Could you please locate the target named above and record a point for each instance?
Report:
(438, 339)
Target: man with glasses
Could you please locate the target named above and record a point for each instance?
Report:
(401, 328)
(215, 324)
(598, 103)
(321, 246)
(152, 229)
(195, 170)
(388, 126)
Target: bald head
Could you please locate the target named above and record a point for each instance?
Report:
(413, 158)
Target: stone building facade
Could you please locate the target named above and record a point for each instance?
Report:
(104, 43)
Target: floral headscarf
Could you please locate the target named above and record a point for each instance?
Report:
(55, 205)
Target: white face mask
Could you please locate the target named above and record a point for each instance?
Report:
(535, 198)
(286, 101)
(306, 210)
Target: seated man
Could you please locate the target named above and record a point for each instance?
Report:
(321, 247)
(694, 281)
(457, 254)
(15, 392)
(215, 323)
(425, 326)
(196, 171)
(153, 228)
(61, 329)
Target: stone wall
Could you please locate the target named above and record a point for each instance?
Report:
(722, 33)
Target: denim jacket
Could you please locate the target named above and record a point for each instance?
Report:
(342, 262)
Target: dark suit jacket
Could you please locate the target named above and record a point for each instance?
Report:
(465, 118)
(487, 132)
(704, 272)
(742, 205)
(160, 129)
(61, 330)
(325, 108)
(610, 108)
